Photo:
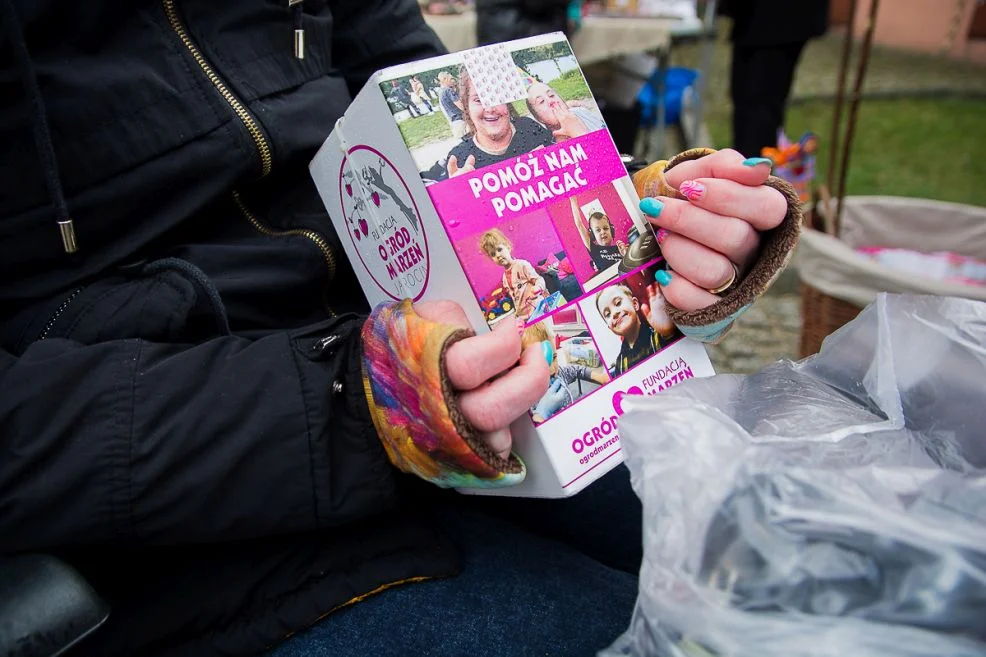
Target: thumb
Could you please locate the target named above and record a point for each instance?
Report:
(499, 441)
(453, 164)
(471, 162)
(559, 134)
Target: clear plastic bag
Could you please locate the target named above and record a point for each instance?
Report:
(835, 506)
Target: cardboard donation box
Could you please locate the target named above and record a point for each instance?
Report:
(488, 177)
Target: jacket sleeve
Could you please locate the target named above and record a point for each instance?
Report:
(131, 441)
(373, 34)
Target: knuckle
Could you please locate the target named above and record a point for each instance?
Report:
(461, 364)
(672, 216)
(485, 415)
(738, 236)
(713, 271)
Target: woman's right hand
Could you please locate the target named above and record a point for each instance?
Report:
(495, 380)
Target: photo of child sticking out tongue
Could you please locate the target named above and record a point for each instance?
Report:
(565, 121)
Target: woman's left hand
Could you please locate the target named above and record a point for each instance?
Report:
(712, 238)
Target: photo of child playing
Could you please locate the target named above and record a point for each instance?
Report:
(631, 322)
(604, 233)
(567, 355)
(523, 283)
(600, 238)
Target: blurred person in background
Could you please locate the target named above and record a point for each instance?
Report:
(768, 37)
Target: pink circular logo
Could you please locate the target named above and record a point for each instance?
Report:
(384, 224)
(618, 398)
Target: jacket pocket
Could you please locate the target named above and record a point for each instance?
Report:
(167, 301)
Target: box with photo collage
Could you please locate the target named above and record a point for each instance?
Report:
(488, 177)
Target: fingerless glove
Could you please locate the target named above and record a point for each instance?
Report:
(413, 405)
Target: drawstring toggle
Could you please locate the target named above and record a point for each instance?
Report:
(67, 229)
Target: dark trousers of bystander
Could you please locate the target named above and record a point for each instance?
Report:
(760, 83)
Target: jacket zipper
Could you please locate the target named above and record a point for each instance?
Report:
(259, 140)
(320, 242)
(58, 313)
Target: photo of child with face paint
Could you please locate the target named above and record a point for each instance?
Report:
(633, 310)
(599, 238)
(525, 286)
(565, 385)
(497, 133)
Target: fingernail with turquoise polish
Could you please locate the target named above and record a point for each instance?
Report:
(663, 277)
(651, 206)
(754, 161)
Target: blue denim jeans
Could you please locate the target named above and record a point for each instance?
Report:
(539, 577)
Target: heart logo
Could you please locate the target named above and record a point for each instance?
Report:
(357, 235)
(376, 199)
(364, 228)
(349, 190)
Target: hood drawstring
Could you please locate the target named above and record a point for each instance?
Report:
(39, 124)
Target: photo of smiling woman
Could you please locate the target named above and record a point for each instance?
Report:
(629, 321)
(497, 133)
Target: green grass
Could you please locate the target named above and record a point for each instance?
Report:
(929, 148)
(571, 86)
(424, 129)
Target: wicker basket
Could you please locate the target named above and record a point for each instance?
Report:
(837, 281)
(821, 314)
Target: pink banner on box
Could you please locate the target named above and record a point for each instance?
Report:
(489, 196)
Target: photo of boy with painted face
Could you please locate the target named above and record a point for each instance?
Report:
(643, 328)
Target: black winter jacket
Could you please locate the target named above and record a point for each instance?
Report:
(181, 406)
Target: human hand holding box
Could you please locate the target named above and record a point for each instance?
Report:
(423, 214)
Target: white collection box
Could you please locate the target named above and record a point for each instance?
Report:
(488, 177)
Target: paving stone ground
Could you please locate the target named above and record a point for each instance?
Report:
(766, 333)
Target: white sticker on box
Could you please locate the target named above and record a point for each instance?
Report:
(494, 75)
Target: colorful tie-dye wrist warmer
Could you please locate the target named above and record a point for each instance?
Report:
(413, 405)
(776, 248)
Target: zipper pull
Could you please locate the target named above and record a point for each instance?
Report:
(299, 31)
(321, 345)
